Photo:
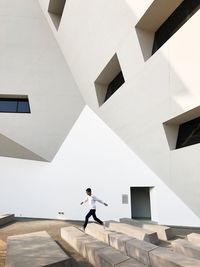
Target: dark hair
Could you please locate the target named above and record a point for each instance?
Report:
(88, 190)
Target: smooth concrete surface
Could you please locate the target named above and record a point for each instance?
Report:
(194, 238)
(98, 231)
(91, 248)
(130, 263)
(6, 218)
(80, 244)
(166, 258)
(186, 248)
(35, 249)
(109, 257)
(163, 232)
(118, 241)
(134, 231)
(139, 250)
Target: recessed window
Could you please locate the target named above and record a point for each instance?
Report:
(109, 80)
(189, 133)
(161, 20)
(55, 10)
(182, 14)
(14, 105)
(183, 130)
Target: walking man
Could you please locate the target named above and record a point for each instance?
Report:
(92, 203)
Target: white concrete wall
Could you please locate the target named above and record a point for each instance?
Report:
(156, 90)
(91, 156)
(32, 64)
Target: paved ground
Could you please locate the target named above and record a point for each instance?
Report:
(24, 226)
(53, 229)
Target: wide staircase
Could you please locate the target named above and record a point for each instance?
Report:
(133, 244)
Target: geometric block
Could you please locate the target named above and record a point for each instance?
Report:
(91, 248)
(98, 232)
(7, 218)
(164, 257)
(186, 248)
(136, 232)
(35, 249)
(118, 241)
(108, 257)
(194, 238)
(139, 250)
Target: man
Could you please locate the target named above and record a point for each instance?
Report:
(92, 203)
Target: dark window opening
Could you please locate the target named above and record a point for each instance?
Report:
(189, 133)
(14, 105)
(181, 15)
(114, 85)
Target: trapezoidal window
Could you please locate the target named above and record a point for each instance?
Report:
(109, 80)
(161, 21)
(183, 130)
(55, 10)
(12, 104)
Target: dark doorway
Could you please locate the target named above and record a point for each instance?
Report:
(140, 203)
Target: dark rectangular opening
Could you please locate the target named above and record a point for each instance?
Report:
(14, 105)
(175, 21)
(140, 203)
(189, 133)
(114, 85)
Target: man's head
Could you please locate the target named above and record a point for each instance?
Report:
(88, 191)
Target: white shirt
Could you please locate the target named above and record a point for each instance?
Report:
(92, 201)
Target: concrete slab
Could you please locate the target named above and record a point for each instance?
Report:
(80, 244)
(118, 241)
(109, 257)
(136, 232)
(163, 232)
(91, 248)
(98, 231)
(70, 234)
(35, 249)
(139, 250)
(194, 239)
(164, 257)
(6, 218)
(186, 248)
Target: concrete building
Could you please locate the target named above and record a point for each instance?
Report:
(109, 91)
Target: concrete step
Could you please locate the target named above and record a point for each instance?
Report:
(194, 238)
(136, 232)
(167, 258)
(186, 248)
(163, 232)
(98, 231)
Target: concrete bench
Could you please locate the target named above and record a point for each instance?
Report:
(118, 241)
(167, 258)
(98, 231)
(186, 248)
(136, 232)
(109, 257)
(35, 250)
(163, 232)
(96, 252)
(194, 239)
(132, 247)
(7, 218)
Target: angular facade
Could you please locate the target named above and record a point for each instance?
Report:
(135, 65)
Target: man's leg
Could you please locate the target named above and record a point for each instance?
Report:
(87, 218)
(95, 217)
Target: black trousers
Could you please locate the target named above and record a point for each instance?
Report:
(93, 214)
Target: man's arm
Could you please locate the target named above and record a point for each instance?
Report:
(84, 201)
(100, 201)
